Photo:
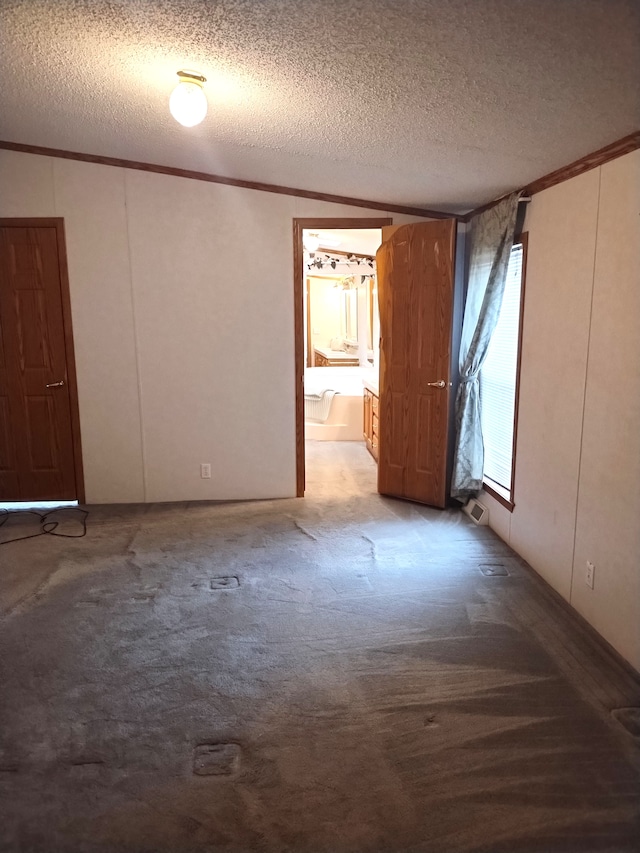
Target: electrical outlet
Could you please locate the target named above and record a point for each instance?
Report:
(589, 576)
(205, 471)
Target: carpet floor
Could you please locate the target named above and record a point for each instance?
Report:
(339, 674)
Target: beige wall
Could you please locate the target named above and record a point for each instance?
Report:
(183, 326)
(182, 305)
(577, 481)
(326, 309)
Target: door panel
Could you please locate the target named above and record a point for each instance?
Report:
(41, 426)
(7, 446)
(424, 434)
(415, 287)
(395, 457)
(38, 459)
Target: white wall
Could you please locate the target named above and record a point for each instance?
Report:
(577, 476)
(182, 305)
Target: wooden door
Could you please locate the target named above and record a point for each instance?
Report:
(37, 451)
(415, 293)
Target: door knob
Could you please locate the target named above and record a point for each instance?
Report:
(439, 384)
(55, 384)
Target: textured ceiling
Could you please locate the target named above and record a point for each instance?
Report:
(439, 103)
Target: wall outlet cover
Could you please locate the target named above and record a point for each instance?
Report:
(590, 574)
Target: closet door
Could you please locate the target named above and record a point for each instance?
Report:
(37, 460)
(415, 267)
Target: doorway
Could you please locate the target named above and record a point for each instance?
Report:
(40, 451)
(340, 276)
(409, 422)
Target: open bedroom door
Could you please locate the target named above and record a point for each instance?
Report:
(415, 268)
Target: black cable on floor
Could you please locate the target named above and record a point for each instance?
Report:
(47, 527)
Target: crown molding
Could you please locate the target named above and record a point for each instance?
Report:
(221, 179)
(590, 161)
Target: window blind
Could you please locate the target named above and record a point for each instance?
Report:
(498, 380)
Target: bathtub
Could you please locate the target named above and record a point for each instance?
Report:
(345, 421)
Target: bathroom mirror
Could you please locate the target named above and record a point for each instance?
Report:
(332, 328)
(349, 325)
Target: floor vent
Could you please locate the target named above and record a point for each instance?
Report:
(629, 719)
(477, 512)
(494, 570)
(216, 759)
(224, 582)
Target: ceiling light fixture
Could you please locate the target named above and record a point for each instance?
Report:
(188, 102)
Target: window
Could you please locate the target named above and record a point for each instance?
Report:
(499, 383)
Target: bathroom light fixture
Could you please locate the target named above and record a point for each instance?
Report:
(329, 241)
(188, 102)
(311, 241)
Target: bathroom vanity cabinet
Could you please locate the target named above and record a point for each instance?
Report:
(328, 358)
(370, 427)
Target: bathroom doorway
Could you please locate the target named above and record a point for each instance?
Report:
(337, 339)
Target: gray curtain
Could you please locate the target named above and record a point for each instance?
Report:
(490, 248)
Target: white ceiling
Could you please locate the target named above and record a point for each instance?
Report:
(363, 241)
(438, 103)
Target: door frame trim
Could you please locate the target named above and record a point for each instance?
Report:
(298, 311)
(57, 222)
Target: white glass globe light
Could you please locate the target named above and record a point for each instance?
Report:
(188, 102)
(311, 242)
